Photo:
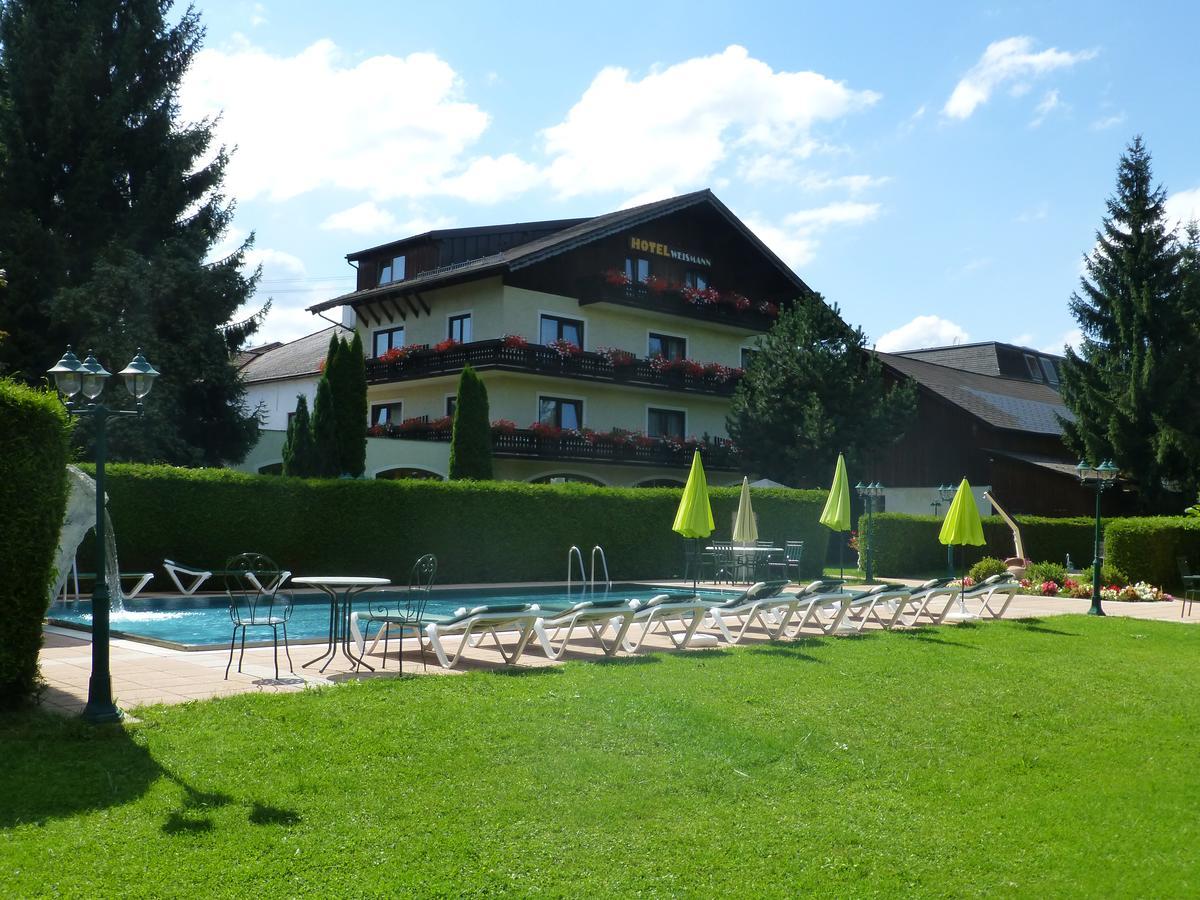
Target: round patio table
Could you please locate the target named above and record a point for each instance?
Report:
(341, 590)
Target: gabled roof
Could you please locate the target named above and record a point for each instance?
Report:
(1000, 402)
(292, 360)
(990, 358)
(586, 231)
(438, 234)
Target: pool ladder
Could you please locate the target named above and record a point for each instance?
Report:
(589, 583)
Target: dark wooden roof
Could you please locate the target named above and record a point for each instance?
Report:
(1008, 403)
(989, 358)
(583, 232)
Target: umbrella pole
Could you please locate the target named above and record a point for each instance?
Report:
(841, 556)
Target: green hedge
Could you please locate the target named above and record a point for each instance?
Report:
(907, 544)
(1145, 549)
(480, 531)
(33, 501)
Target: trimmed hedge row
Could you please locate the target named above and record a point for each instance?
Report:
(480, 531)
(907, 544)
(33, 498)
(1146, 549)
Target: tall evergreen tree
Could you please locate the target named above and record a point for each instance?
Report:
(1124, 384)
(812, 391)
(356, 391)
(471, 437)
(299, 451)
(109, 208)
(333, 374)
(1179, 433)
(324, 428)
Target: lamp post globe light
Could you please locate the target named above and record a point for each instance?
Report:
(870, 492)
(1101, 478)
(73, 378)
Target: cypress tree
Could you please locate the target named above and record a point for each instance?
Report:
(109, 208)
(333, 374)
(299, 451)
(471, 437)
(354, 374)
(324, 427)
(1124, 384)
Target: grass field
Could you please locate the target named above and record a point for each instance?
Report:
(1037, 758)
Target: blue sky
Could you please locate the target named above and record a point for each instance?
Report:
(936, 169)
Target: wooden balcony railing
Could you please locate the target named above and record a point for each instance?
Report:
(526, 443)
(759, 316)
(542, 360)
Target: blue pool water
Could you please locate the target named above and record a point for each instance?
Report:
(204, 621)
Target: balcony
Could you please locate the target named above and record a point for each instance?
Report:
(616, 447)
(726, 308)
(563, 361)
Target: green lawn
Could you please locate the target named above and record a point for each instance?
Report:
(1051, 757)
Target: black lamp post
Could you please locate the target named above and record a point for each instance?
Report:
(869, 492)
(1100, 477)
(72, 377)
(945, 495)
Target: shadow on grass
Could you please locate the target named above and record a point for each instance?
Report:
(790, 650)
(1037, 626)
(930, 635)
(56, 767)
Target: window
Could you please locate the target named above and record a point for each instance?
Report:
(665, 423)
(460, 328)
(1031, 363)
(560, 412)
(694, 279)
(667, 345)
(637, 269)
(555, 329)
(747, 356)
(1050, 370)
(387, 413)
(385, 340)
(451, 403)
(391, 270)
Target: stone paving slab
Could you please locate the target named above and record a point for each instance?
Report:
(148, 674)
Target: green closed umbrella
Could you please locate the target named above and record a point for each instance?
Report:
(745, 528)
(962, 526)
(836, 515)
(694, 518)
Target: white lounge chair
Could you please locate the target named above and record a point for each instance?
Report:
(658, 613)
(935, 599)
(472, 625)
(994, 594)
(596, 616)
(820, 603)
(884, 605)
(762, 602)
(197, 576)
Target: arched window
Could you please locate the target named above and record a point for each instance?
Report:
(565, 478)
(660, 482)
(422, 474)
(272, 469)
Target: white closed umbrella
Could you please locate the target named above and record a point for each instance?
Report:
(745, 529)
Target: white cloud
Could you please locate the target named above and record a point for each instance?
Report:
(794, 240)
(970, 266)
(676, 124)
(1009, 61)
(767, 167)
(1073, 338)
(393, 126)
(1022, 340)
(923, 331)
(1183, 207)
(492, 179)
(258, 15)
(1049, 102)
(1105, 122)
(365, 218)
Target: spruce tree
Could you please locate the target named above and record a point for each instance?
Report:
(1179, 434)
(1124, 384)
(299, 451)
(471, 437)
(109, 208)
(324, 427)
(811, 391)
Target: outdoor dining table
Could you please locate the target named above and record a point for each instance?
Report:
(748, 556)
(341, 590)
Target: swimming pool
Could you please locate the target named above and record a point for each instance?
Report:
(203, 622)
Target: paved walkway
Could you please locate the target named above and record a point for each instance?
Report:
(145, 673)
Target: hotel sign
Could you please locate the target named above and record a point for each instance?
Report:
(660, 249)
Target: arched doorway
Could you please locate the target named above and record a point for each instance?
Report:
(403, 472)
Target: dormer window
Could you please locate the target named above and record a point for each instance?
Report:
(391, 270)
(1031, 363)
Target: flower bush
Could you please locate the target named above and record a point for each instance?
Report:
(616, 277)
(655, 284)
(514, 341)
(546, 430)
(769, 309)
(565, 348)
(504, 426)
(447, 344)
(617, 358)
(720, 374)
(663, 364)
(1048, 588)
(445, 423)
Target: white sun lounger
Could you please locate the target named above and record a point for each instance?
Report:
(884, 605)
(197, 576)
(472, 625)
(994, 594)
(935, 599)
(761, 602)
(596, 616)
(658, 613)
(821, 603)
